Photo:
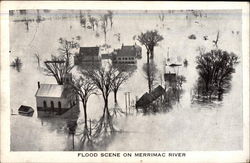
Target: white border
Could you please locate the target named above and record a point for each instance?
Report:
(215, 156)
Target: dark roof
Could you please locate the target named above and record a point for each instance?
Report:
(127, 51)
(89, 51)
(24, 108)
(145, 100)
(148, 98)
(157, 92)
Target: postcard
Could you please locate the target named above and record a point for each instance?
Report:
(124, 81)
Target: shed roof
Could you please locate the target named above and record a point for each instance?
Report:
(148, 98)
(50, 90)
(157, 92)
(89, 51)
(145, 100)
(24, 108)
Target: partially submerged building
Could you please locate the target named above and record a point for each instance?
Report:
(88, 55)
(25, 110)
(57, 100)
(170, 79)
(127, 54)
(148, 99)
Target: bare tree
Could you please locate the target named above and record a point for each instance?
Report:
(83, 20)
(120, 77)
(84, 88)
(150, 72)
(118, 35)
(93, 21)
(66, 48)
(217, 39)
(110, 16)
(104, 26)
(161, 16)
(57, 68)
(26, 22)
(103, 79)
(150, 39)
(38, 18)
(38, 58)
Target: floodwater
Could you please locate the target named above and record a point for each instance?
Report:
(188, 126)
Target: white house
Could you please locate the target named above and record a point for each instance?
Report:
(57, 100)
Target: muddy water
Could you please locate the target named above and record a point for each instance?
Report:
(188, 126)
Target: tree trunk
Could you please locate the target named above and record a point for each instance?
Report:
(85, 115)
(115, 96)
(105, 37)
(148, 73)
(27, 25)
(152, 52)
(105, 105)
(220, 93)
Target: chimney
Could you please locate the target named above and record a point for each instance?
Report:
(38, 85)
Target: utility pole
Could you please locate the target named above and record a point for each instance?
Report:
(126, 101)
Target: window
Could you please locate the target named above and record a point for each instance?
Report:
(59, 104)
(44, 104)
(52, 104)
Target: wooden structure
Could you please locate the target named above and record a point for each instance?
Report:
(57, 100)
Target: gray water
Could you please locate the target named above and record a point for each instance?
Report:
(216, 126)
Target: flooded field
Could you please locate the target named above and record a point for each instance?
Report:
(188, 126)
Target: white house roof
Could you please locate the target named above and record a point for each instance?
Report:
(50, 90)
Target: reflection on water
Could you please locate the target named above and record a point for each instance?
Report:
(187, 126)
(16, 64)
